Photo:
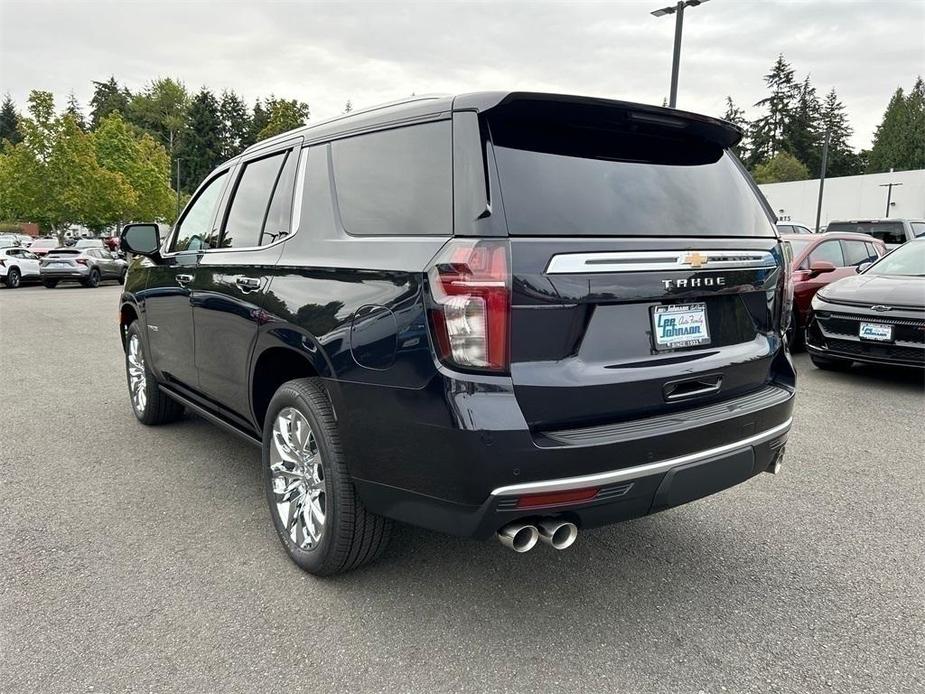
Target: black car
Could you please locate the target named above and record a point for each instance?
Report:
(498, 313)
(875, 317)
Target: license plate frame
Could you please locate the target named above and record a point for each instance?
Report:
(875, 332)
(680, 326)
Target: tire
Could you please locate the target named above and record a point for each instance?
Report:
(149, 403)
(12, 278)
(50, 284)
(93, 281)
(347, 536)
(830, 364)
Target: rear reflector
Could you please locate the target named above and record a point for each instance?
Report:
(556, 498)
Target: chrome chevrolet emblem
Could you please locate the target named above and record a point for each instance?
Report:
(880, 308)
(695, 260)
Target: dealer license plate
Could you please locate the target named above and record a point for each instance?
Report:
(876, 331)
(680, 325)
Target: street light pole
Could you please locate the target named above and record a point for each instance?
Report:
(825, 161)
(889, 194)
(178, 190)
(678, 11)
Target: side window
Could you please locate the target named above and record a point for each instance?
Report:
(829, 251)
(855, 252)
(802, 230)
(889, 235)
(918, 228)
(195, 227)
(248, 209)
(396, 182)
(874, 251)
(279, 216)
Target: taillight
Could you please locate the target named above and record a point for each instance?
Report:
(470, 285)
(786, 308)
(81, 261)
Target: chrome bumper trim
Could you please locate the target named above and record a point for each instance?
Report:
(604, 478)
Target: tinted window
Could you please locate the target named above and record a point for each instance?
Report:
(798, 246)
(801, 229)
(830, 251)
(195, 230)
(396, 181)
(574, 171)
(908, 260)
(279, 218)
(786, 229)
(856, 252)
(918, 228)
(888, 232)
(248, 210)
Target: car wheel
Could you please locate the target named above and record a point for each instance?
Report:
(93, 281)
(12, 278)
(830, 364)
(51, 284)
(149, 403)
(315, 509)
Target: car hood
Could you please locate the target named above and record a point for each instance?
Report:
(866, 289)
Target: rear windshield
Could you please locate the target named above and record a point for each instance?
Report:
(64, 251)
(888, 232)
(582, 178)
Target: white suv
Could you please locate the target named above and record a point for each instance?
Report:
(18, 265)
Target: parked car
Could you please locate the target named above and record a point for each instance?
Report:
(18, 265)
(43, 244)
(891, 232)
(819, 260)
(9, 240)
(89, 243)
(793, 228)
(111, 242)
(89, 266)
(514, 314)
(875, 317)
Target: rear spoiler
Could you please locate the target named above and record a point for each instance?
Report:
(715, 130)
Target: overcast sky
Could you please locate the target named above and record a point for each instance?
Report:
(372, 52)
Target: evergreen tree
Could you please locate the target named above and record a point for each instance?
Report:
(768, 131)
(235, 124)
(915, 110)
(73, 110)
(842, 160)
(899, 141)
(200, 142)
(736, 116)
(259, 120)
(107, 98)
(802, 132)
(9, 121)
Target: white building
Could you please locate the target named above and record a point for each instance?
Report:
(849, 197)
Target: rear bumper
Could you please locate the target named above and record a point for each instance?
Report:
(464, 476)
(64, 274)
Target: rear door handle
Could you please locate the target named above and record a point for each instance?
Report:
(247, 283)
(692, 387)
(183, 279)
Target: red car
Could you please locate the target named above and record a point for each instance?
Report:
(820, 259)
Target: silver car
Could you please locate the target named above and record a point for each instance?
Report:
(89, 266)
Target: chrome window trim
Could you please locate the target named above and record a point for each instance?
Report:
(656, 261)
(605, 478)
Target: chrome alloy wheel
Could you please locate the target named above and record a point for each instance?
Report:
(297, 476)
(136, 375)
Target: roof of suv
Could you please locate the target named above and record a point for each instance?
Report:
(875, 220)
(420, 108)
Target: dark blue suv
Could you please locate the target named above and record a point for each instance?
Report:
(507, 314)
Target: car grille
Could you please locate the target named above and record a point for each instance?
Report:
(875, 351)
(904, 329)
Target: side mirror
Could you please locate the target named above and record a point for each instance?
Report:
(863, 266)
(818, 267)
(140, 239)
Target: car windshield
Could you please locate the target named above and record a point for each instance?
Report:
(44, 243)
(907, 260)
(888, 232)
(798, 245)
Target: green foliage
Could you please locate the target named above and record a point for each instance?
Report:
(235, 124)
(161, 110)
(736, 116)
(842, 160)
(259, 120)
(107, 98)
(73, 110)
(9, 119)
(283, 115)
(802, 131)
(783, 166)
(200, 142)
(899, 141)
(768, 131)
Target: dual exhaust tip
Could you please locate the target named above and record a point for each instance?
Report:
(522, 537)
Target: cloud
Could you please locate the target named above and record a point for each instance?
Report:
(369, 52)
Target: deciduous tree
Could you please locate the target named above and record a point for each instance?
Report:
(783, 166)
(283, 115)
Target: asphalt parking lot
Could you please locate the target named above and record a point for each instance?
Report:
(143, 559)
